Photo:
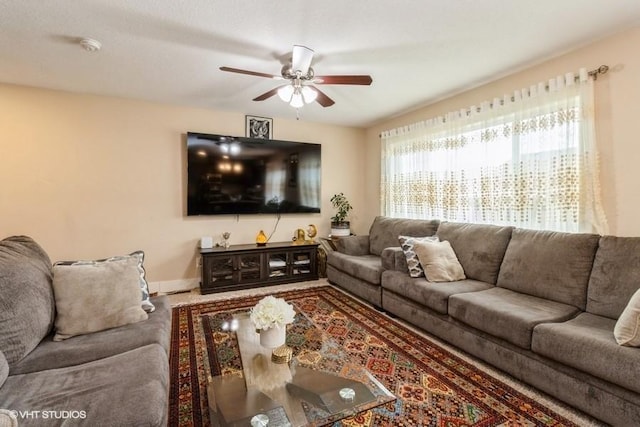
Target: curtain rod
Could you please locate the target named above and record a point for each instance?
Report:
(603, 69)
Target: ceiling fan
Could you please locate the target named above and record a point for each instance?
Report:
(300, 88)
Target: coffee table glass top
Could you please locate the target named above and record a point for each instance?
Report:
(319, 386)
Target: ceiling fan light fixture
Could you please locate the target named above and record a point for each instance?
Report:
(309, 94)
(296, 99)
(285, 93)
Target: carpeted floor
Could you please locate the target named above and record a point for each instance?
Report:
(434, 386)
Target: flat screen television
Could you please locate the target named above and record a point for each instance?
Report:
(230, 175)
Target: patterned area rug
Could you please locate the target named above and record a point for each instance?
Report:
(434, 387)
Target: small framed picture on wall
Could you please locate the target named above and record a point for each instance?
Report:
(259, 127)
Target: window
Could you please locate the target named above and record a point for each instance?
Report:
(529, 162)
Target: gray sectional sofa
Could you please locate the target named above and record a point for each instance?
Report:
(539, 305)
(115, 377)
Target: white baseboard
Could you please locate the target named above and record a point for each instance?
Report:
(172, 286)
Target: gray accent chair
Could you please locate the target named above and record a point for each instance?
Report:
(115, 377)
(539, 305)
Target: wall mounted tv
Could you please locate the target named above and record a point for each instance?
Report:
(230, 175)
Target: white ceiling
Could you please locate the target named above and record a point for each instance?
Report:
(169, 51)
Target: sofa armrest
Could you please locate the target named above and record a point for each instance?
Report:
(394, 259)
(353, 245)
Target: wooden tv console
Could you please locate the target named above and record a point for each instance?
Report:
(250, 266)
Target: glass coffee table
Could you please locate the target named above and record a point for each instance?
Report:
(320, 385)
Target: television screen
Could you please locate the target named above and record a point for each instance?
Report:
(237, 175)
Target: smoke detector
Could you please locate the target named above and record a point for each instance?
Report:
(90, 45)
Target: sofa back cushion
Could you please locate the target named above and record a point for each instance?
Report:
(480, 248)
(27, 307)
(549, 264)
(384, 231)
(615, 276)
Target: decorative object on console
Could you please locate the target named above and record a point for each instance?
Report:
(339, 224)
(261, 239)
(271, 316)
(258, 127)
(312, 232)
(225, 242)
(300, 237)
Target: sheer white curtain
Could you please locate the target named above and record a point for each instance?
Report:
(528, 160)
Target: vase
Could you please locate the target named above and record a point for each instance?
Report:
(273, 337)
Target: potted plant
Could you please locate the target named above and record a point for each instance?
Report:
(339, 224)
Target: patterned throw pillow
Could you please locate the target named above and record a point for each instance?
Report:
(407, 243)
(144, 286)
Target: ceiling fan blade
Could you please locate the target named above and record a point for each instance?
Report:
(250, 73)
(323, 99)
(343, 80)
(301, 59)
(268, 94)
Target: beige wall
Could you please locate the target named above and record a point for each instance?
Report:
(90, 177)
(618, 122)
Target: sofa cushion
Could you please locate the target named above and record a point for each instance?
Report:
(507, 314)
(587, 344)
(627, 329)
(364, 267)
(480, 248)
(4, 368)
(615, 275)
(550, 265)
(50, 354)
(407, 243)
(439, 261)
(27, 307)
(384, 231)
(128, 389)
(96, 296)
(429, 294)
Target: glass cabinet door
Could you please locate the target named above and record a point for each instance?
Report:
(249, 267)
(277, 264)
(221, 270)
(301, 262)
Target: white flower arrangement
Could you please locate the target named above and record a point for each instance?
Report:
(271, 311)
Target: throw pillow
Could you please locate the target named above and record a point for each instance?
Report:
(439, 261)
(146, 304)
(627, 329)
(407, 243)
(92, 297)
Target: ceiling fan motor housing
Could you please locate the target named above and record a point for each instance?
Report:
(290, 74)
